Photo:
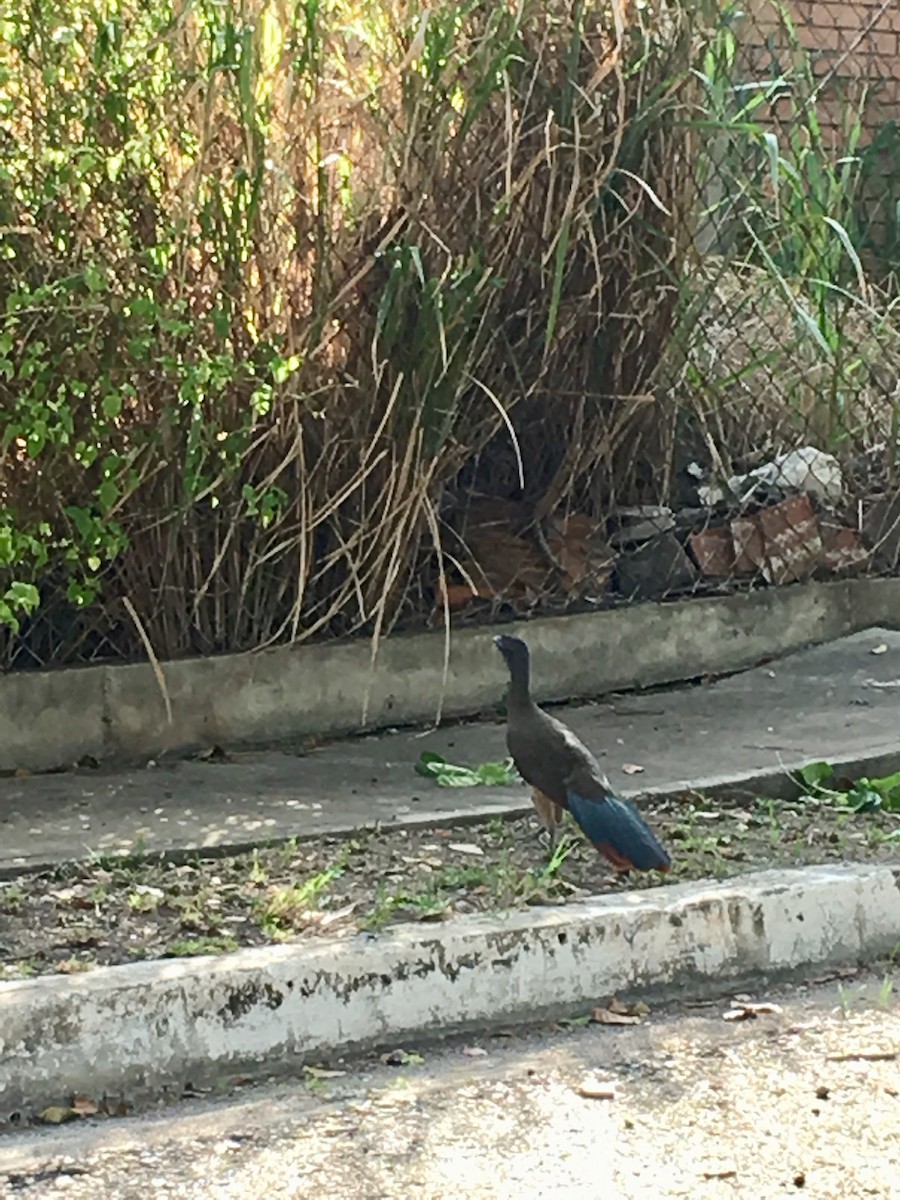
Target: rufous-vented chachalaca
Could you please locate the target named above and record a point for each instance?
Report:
(565, 775)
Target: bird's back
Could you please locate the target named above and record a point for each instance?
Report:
(547, 754)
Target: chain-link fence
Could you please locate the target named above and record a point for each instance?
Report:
(614, 318)
(779, 437)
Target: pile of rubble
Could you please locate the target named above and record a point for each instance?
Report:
(787, 520)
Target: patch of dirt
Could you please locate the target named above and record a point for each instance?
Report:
(103, 913)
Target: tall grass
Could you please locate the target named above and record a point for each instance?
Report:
(786, 334)
(274, 275)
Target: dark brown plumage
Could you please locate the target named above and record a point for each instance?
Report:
(565, 775)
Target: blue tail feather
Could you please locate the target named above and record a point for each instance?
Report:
(618, 825)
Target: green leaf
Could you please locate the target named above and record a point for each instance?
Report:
(862, 797)
(23, 596)
(94, 278)
(814, 774)
(887, 788)
(496, 774)
(112, 404)
(452, 776)
(429, 764)
(108, 493)
(492, 774)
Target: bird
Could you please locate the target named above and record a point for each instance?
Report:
(564, 774)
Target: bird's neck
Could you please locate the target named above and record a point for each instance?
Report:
(519, 695)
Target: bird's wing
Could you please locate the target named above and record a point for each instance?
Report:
(615, 827)
(577, 757)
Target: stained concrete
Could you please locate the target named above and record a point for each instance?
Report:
(703, 1109)
(265, 1010)
(838, 701)
(50, 719)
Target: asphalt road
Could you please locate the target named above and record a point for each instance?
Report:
(802, 1101)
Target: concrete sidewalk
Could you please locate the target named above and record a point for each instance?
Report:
(838, 701)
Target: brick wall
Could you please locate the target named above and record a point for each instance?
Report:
(854, 49)
(853, 44)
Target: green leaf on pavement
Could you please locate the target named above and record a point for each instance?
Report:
(490, 774)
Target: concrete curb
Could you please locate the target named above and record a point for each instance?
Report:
(144, 1031)
(52, 718)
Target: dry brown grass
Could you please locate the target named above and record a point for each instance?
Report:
(455, 229)
(758, 384)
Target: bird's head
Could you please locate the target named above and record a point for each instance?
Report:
(514, 651)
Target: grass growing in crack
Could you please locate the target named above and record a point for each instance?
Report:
(501, 884)
(853, 997)
(257, 873)
(22, 968)
(145, 899)
(695, 841)
(429, 900)
(769, 813)
(191, 947)
(12, 897)
(285, 910)
(75, 966)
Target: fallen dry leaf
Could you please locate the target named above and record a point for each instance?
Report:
(839, 973)
(632, 769)
(605, 1016)
(401, 1058)
(77, 896)
(323, 1073)
(746, 1010)
(880, 649)
(637, 1009)
(434, 914)
(57, 1114)
(337, 914)
(597, 1089)
(864, 1056)
(215, 754)
(466, 848)
(458, 595)
(474, 1052)
(84, 1106)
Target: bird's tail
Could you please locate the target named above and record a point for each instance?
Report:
(619, 832)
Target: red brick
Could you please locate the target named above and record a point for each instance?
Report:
(792, 538)
(713, 551)
(749, 546)
(843, 552)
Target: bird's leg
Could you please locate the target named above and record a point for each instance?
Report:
(552, 840)
(556, 817)
(549, 815)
